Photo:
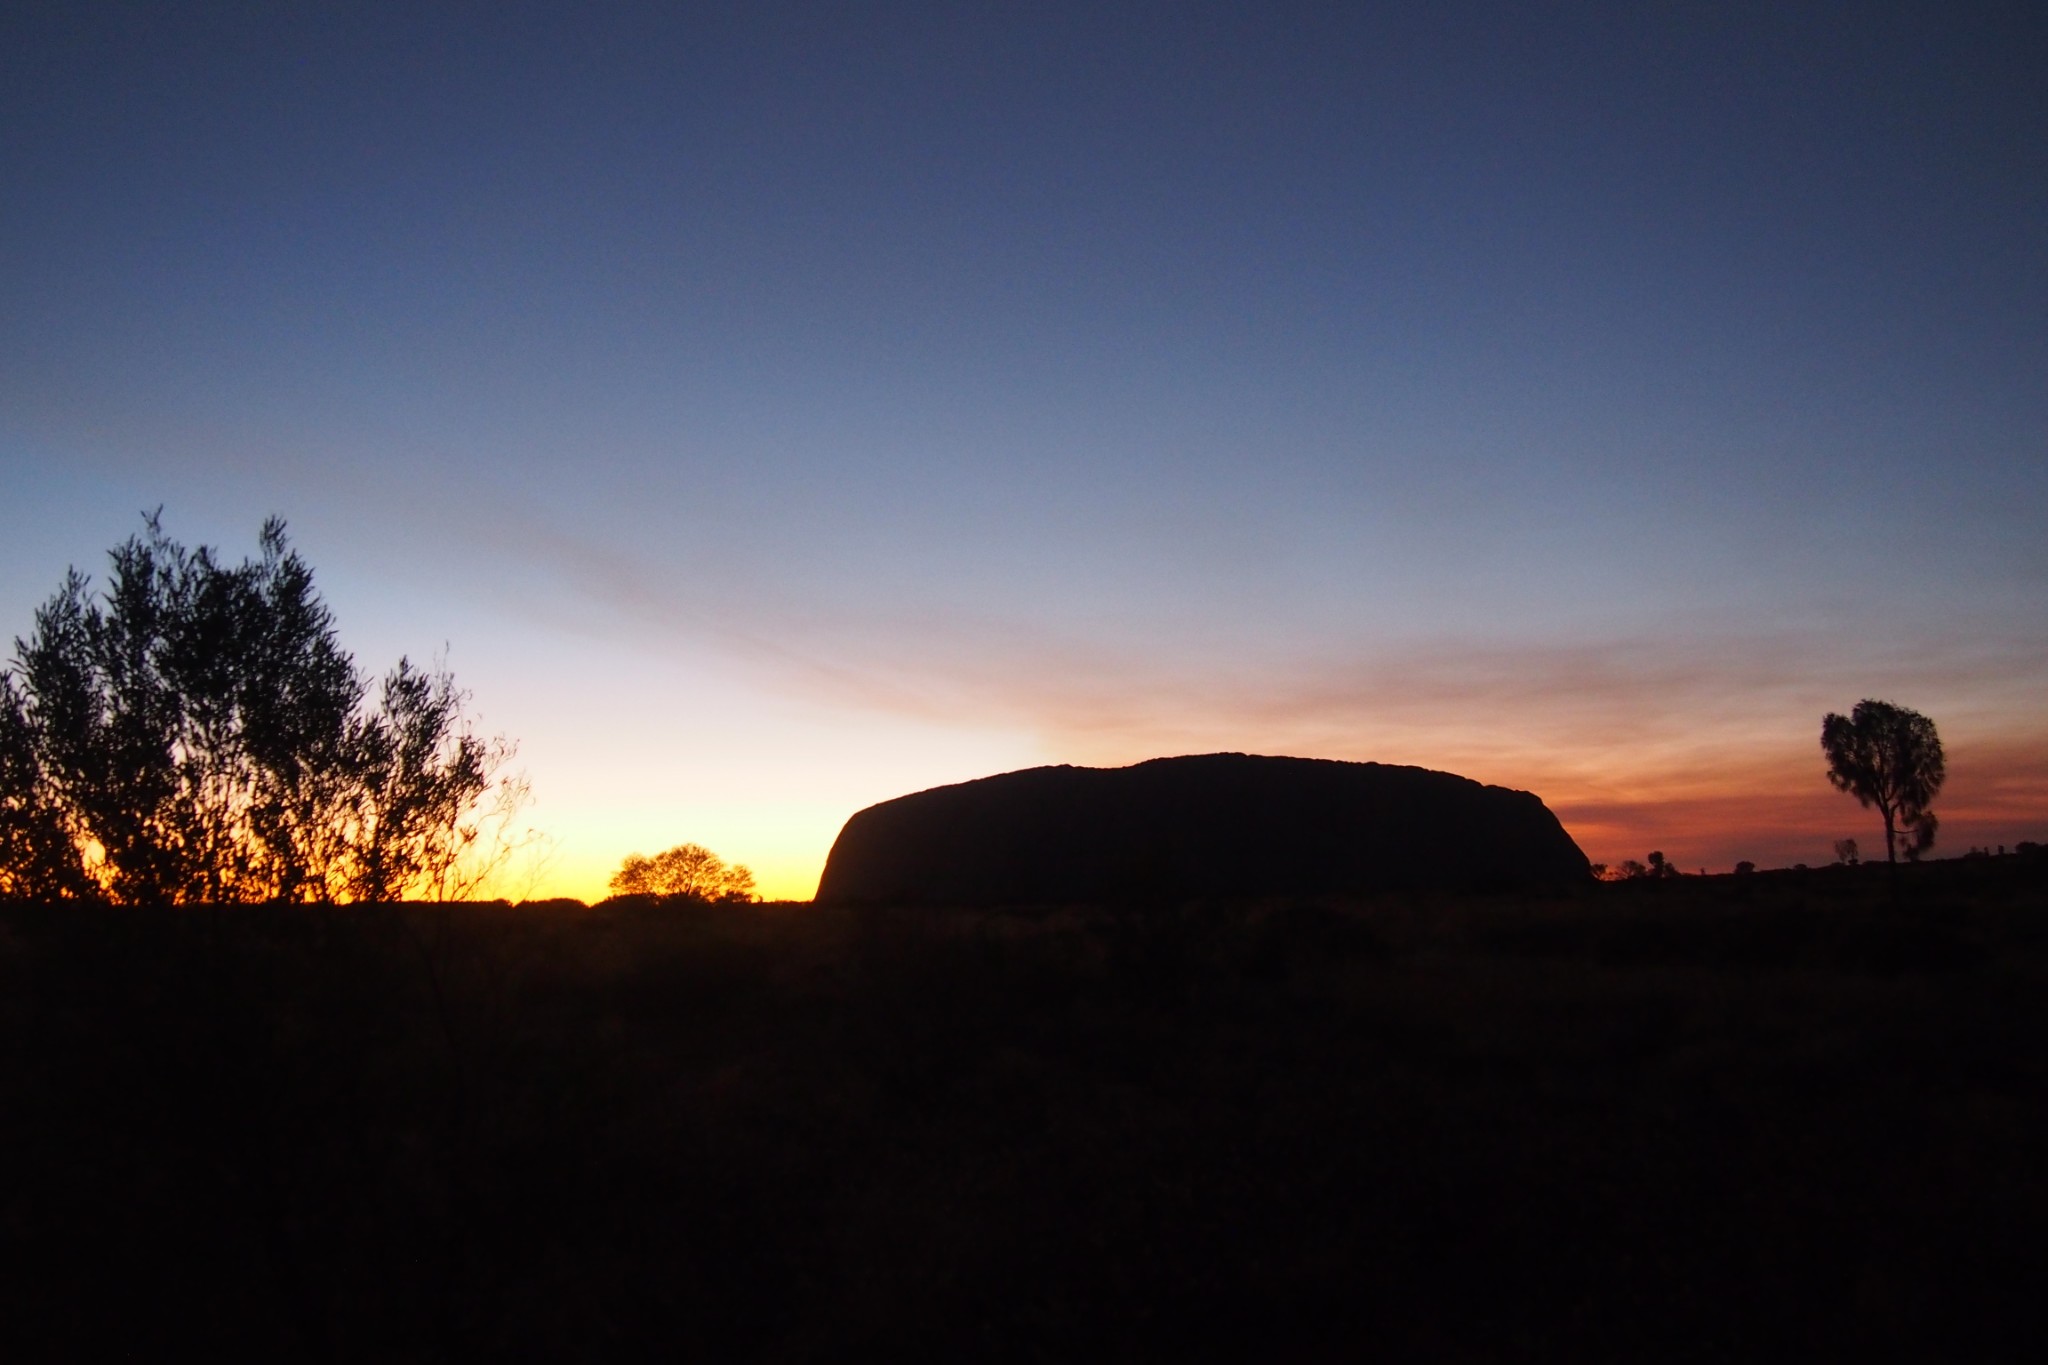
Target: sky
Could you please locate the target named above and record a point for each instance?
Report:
(770, 409)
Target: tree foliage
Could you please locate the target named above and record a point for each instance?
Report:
(37, 857)
(1890, 757)
(687, 872)
(197, 733)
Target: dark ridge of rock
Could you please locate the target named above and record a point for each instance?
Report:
(1204, 826)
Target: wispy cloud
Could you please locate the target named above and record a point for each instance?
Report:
(1705, 742)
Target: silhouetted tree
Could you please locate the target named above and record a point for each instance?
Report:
(419, 812)
(1846, 852)
(688, 872)
(38, 860)
(1744, 868)
(1890, 757)
(197, 733)
(1629, 870)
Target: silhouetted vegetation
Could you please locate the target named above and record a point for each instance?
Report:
(1657, 868)
(687, 872)
(1890, 757)
(1707, 1118)
(197, 734)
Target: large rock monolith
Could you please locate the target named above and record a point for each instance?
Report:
(1200, 827)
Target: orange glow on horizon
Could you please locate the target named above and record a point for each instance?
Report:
(1773, 811)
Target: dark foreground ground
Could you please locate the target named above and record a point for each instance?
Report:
(1713, 1119)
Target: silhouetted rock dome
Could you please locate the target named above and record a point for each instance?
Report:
(1202, 826)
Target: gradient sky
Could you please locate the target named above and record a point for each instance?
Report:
(772, 409)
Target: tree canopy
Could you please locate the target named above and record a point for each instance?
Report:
(197, 733)
(1888, 756)
(688, 872)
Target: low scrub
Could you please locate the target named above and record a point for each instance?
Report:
(1700, 1117)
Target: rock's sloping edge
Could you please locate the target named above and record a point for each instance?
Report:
(1199, 826)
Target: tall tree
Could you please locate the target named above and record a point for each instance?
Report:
(1888, 756)
(197, 733)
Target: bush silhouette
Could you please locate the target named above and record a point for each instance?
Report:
(687, 872)
(196, 733)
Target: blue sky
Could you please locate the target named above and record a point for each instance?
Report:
(772, 409)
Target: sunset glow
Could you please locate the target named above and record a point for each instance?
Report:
(771, 415)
